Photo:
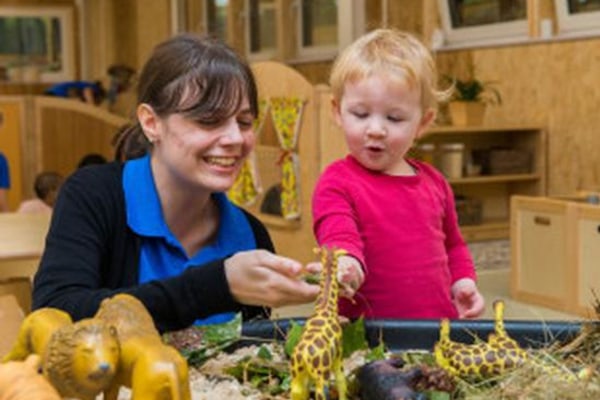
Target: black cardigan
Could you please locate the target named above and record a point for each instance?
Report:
(92, 254)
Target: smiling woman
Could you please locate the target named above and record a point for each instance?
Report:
(37, 43)
(160, 227)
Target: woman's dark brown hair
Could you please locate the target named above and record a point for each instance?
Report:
(199, 77)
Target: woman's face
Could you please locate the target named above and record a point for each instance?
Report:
(201, 156)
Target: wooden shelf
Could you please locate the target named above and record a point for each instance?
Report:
(488, 230)
(494, 179)
(494, 191)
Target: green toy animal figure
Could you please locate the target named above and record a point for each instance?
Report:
(152, 369)
(318, 354)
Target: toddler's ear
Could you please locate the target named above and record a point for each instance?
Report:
(336, 112)
(426, 121)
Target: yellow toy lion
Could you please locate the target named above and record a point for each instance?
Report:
(152, 369)
(79, 360)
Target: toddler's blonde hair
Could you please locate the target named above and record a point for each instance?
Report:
(399, 55)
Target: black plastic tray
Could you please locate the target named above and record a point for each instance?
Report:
(422, 334)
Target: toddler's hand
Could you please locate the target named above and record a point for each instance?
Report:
(467, 299)
(350, 276)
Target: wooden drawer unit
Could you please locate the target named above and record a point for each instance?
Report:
(540, 265)
(555, 253)
(587, 256)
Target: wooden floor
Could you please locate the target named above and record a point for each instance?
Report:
(494, 285)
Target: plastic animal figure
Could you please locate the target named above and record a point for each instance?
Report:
(483, 359)
(20, 380)
(318, 354)
(152, 369)
(79, 360)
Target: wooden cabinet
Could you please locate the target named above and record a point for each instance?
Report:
(493, 191)
(555, 253)
(586, 234)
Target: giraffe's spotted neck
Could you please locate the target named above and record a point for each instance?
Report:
(327, 300)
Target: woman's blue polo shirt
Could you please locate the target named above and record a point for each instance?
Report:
(162, 255)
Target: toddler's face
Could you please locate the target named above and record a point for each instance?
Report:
(381, 119)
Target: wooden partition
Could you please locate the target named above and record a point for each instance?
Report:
(66, 130)
(292, 237)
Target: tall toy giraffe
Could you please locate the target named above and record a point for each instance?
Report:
(318, 354)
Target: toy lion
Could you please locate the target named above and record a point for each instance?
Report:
(79, 360)
(152, 369)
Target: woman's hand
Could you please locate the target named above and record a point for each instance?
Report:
(261, 278)
(467, 299)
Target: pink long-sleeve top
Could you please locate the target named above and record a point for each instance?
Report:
(404, 231)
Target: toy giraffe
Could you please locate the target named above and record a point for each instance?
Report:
(318, 354)
(483, 359)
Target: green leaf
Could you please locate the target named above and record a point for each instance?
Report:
(437, 395)
(354, 337)
(293, 337)
(264, 353)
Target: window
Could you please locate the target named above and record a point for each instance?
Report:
(261, 29)
(578, 17)
(469, 23)
(318, 23)
(38, 39)
(215, 12)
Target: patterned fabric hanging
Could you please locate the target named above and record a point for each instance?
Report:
(287, 116)
(247, 186)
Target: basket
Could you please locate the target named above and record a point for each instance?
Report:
(469, 211)
(510, 161)
(501, 161)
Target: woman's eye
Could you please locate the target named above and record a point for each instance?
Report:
(245, 124)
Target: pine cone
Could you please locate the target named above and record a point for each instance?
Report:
(434, 378)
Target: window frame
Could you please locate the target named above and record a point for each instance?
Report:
(499, 33)
(65, 16)
(350, 25)
(264, 54)
(576, 25)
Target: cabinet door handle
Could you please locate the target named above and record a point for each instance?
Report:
(542, 220)
(598, 229)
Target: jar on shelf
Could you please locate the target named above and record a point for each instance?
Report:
(427, 152)
(451, 160)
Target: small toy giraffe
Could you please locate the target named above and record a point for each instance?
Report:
(483, 359)
(318, 354)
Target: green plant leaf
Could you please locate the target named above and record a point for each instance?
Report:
(354, 337)
(293, 337)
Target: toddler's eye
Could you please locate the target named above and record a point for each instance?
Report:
(394, 119)
(360, 115)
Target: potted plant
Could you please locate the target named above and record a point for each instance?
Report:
(469, 100)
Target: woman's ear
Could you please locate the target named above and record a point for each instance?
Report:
(149, 121)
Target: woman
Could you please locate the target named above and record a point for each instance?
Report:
(160, 227)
